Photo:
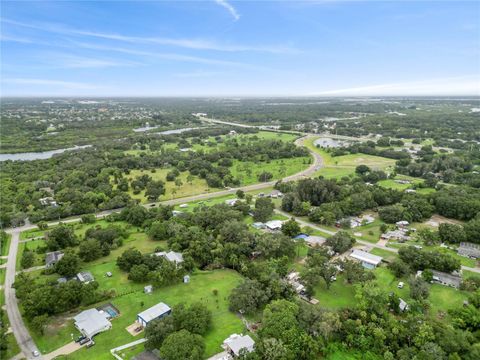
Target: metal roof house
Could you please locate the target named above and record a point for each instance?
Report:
(85, 277)
(469, 250)
(52, 258)
(314, 240)
(155, 312)
(453, 280)
(368, 260)
(91, 322)
(171, 256)
(274, 224)
(235, 343)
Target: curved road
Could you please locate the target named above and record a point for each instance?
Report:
(22, 335)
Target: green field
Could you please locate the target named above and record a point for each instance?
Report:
(385, 254)
(200, 289)
(5, 246)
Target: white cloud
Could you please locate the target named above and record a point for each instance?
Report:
(69, 61)
(195, 44)
(460, 85)
(230, 8)
(48, 82)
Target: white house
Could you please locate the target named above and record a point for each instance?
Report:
(368, 260)
(155, 312)
(235, 343)
(171, 256)
(91, 322)
(274, 225)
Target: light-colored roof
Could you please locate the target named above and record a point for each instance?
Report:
(315, 240)
(154, 312)
(90, 322)
(171, 256)
(53, 257)
(403, 305)
(237, 343)
(274, 224)
(85, 276)
(366, 257)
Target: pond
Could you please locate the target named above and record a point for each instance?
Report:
(29, 156)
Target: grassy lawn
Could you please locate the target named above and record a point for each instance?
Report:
(12, 347)
(200, 289)
(31, 245)
(385, 254)
(248, 171)
(340, 294)
(443, 298)
(32, 233)
(2, 276)
(5, 246)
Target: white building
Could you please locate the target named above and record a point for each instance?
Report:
(235, 343)
(171, 256)
(155, 312)
(274, 225)
(91, 322)
(368, 260)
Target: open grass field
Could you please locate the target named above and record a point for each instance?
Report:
(385, 254)
(5, 245)
(200, 289)
(340, 166)
(339, 295)
(2, 276)
(31, 245)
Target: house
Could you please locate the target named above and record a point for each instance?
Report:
(231, 202)
(155, 312)
(276, 194)
(402, 224)
(410, 191)
(52, 258)
(314, 240)
(453, 279)
(171, 256)
(274, 225)
(48, 201)
(294, 280)
(232, 133)
(235, 343)
(258, 225)
(403, 305)
(85, 277)
(369, 261)
(176, 212)
(398, 235)
(469, 250)
(91, 322)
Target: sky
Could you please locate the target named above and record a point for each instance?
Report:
(239, 48)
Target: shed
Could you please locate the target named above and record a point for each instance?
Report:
(368, 260)
(91, 322)
(148, 289)
(52, 258)
(155, 312)
(274, 224)
(85, 277)
(186, 279)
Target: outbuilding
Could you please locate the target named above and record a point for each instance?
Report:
(369, 261)
(235, 343)
(52, 258)
(155, 312)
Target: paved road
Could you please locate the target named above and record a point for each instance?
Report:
(20, 331)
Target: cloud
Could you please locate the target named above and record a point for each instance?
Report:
(48, 82)
(69, 61)
(198, 74)
(195, 44)
(230, 8)
(460, 85)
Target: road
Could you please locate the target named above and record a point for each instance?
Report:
(20, 331)
(25, 341)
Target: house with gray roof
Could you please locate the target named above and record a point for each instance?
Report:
(368, 260)
(85, 277)
(453, 279)
(235, 343)
(469, 250)
(172, 256)
(155, 312)
(51, 258)
(91, 322)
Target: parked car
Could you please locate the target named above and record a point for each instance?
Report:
(80, 338)
(84, 341)
(90, 344)
(35, 353)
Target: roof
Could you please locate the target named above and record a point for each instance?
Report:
(171, 256)
(301, 236)
(448, 279)
(85, 276)
(469, 249)
(274, 224)
(154, 312)
(403, 305)
(91, 322)
(239, 342)
(53, 257)
(366, 257)
(315, 240)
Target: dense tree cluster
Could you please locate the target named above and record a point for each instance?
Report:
(419, 259)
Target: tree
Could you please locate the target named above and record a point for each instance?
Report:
(68, 265)
(265, 176)
(291, 228)
(399, 268)
(134, 214)
(240, 194)
(263, 209)
(362, 169)
(340, 242)
(418, 288)
(88, 219)
(355, 272)
(451, 233)
(154, 190)
(247, 297)
(40, 322)
(129, 258)
(158, 231)
(157, 331)
(138, 273)
(391, 214)
(182, 345)
(28, 259)
(61, 237)
(196, 318)
(90, 249)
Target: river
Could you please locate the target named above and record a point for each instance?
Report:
(28, 156)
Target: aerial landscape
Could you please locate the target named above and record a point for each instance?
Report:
(240, 180)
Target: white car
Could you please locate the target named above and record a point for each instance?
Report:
(35, 353)
(400, 285)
